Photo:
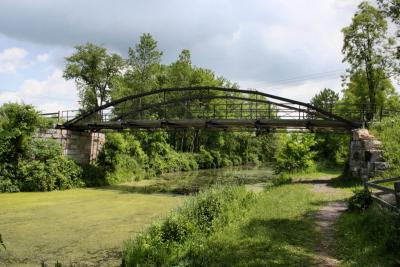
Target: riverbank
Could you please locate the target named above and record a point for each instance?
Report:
(89, 225)
(276, 228)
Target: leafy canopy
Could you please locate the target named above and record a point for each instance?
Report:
(94, 71)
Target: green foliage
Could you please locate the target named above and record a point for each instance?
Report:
(170, 241)
(331, 148)
(94, 71)
(391, 9)
(122, 159)
(325, 99)
(295, 153)
(368, 50)
(388, 131)
(29, 164)
(360, 201)
(356, 94)
(368, 238)
(281, 179)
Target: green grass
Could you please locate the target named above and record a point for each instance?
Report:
(84, 225)
(363, 238)
(320, 172)
(276, 229)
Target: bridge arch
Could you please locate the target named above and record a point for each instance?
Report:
(250, 109)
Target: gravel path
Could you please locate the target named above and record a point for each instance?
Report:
(324, 220)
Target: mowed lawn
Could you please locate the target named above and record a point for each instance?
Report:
(82, 225)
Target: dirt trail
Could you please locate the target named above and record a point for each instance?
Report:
(324, 219)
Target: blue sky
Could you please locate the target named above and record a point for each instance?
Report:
(288, 48)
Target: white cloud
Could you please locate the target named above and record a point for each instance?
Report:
(50, 95)
(42, 57)
(12, 59)
(303, 91)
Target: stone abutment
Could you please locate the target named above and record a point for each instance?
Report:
(83, 147)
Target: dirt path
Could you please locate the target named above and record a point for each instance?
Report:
(324, 219)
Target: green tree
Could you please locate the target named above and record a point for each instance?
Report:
(144, 64)
(391, 9)
(356, 93)
(367, 48)
(325, 99)
(17, 125)
(93, 70)
(330, 148)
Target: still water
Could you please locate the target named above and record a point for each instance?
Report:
(193, 181)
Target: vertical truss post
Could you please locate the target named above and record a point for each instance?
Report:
(165, 108)
(214, 110)
(299, 112)
(226, 108)
(256, 108)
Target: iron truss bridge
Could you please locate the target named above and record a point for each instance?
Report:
(213, 108)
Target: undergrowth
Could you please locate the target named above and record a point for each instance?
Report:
(368, 238)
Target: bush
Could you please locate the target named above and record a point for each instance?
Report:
(388, 131)
(29, 164)
(170, 242)
(93, 175)
(369, 238)
(360, 201)
(295, 153)
(205, 159)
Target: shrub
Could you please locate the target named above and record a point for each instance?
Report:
(388, 131)
(169, 242)
(295, 153)
(360, 201)
(93, 175)
(205, 159)
(29, 164)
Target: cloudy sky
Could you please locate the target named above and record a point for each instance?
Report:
(290, 48)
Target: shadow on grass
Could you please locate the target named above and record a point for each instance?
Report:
(274, 242)
(151, 189)
(345, 181)
(342, 181)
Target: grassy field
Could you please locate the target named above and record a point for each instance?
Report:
(277, 229)
(84, 225)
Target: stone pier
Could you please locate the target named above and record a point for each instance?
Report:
(83, 147)
(366, 159)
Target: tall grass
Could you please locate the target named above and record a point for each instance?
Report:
(368, 238)
(175, 240)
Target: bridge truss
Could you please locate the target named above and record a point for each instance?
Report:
(215, 108)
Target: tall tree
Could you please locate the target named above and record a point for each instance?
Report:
(144, 63)
(93, 70)
(326, 99)
(328, 146)
(356, 93)
(391, 8)
(367, 48)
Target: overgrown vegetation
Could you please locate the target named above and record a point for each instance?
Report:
(360, 201)
(29, 164)
(388, 131)
(232, 227)
(176, 239)
(368, 238)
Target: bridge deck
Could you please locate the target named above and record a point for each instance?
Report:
(210, 123)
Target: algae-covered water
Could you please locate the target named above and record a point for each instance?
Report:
(88, 226)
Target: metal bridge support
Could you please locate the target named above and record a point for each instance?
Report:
(83, 147)
(366, 155)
